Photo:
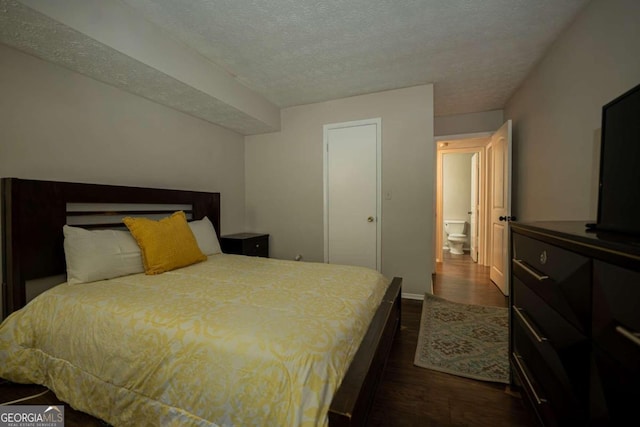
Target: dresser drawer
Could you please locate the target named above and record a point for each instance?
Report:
(616, 338)
(564, 348)
(575, 323)
(615, 389)
(616, 308)
(545, 259)
(554, 400)
(532, 390)
(560, 277)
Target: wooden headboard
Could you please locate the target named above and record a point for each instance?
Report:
(34, 212)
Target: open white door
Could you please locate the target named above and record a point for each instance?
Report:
(500, 206)
(473, 213)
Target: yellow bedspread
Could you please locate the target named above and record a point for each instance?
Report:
(230, 341)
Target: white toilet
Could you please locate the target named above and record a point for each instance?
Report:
(455, 235)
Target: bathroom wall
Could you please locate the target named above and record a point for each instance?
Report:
(456, 188)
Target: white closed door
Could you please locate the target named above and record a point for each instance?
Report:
(500, 206)
(352, 189)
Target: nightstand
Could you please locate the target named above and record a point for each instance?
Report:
(250, 244)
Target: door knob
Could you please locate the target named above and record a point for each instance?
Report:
(507, 218)
(370, 219)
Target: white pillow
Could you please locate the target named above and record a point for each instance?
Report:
(100, 254)
(206, 236)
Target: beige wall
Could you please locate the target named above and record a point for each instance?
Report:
(59, 125)
(284, 180)
(460, 124)
(557, 111)
(119, 26)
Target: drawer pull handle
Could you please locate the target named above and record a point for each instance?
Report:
(631, 336)
(529, 270)
(539, 400)
(529, 326)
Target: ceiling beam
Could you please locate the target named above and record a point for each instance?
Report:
(107, 40)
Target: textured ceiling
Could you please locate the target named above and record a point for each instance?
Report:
(293, 52)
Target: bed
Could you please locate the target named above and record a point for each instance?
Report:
(328, 367)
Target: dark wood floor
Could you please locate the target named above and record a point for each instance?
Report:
(408, 395)
(414, 396)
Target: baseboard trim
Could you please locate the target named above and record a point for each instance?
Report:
(420, 297)
(413, 296)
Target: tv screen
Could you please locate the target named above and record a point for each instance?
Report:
(619, 191)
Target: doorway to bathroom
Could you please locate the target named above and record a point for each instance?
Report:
(461, 198)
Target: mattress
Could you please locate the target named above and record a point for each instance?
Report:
(233, 340)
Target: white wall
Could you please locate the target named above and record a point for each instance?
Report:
(284, 180)
(59, 125)
(557, 111)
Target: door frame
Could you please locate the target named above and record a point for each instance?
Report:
(460, 144)
(506, 189)
(489, 195)
(325, 169)
(474, 240)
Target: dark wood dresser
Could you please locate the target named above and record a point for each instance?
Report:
(250, 244)
(575, 323)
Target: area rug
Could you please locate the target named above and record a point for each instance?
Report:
(466, 340)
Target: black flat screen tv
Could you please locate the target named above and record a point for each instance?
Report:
(619, 186)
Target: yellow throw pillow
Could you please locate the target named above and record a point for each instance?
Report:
(166, 244)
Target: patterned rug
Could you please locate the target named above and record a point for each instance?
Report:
(467, 340)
